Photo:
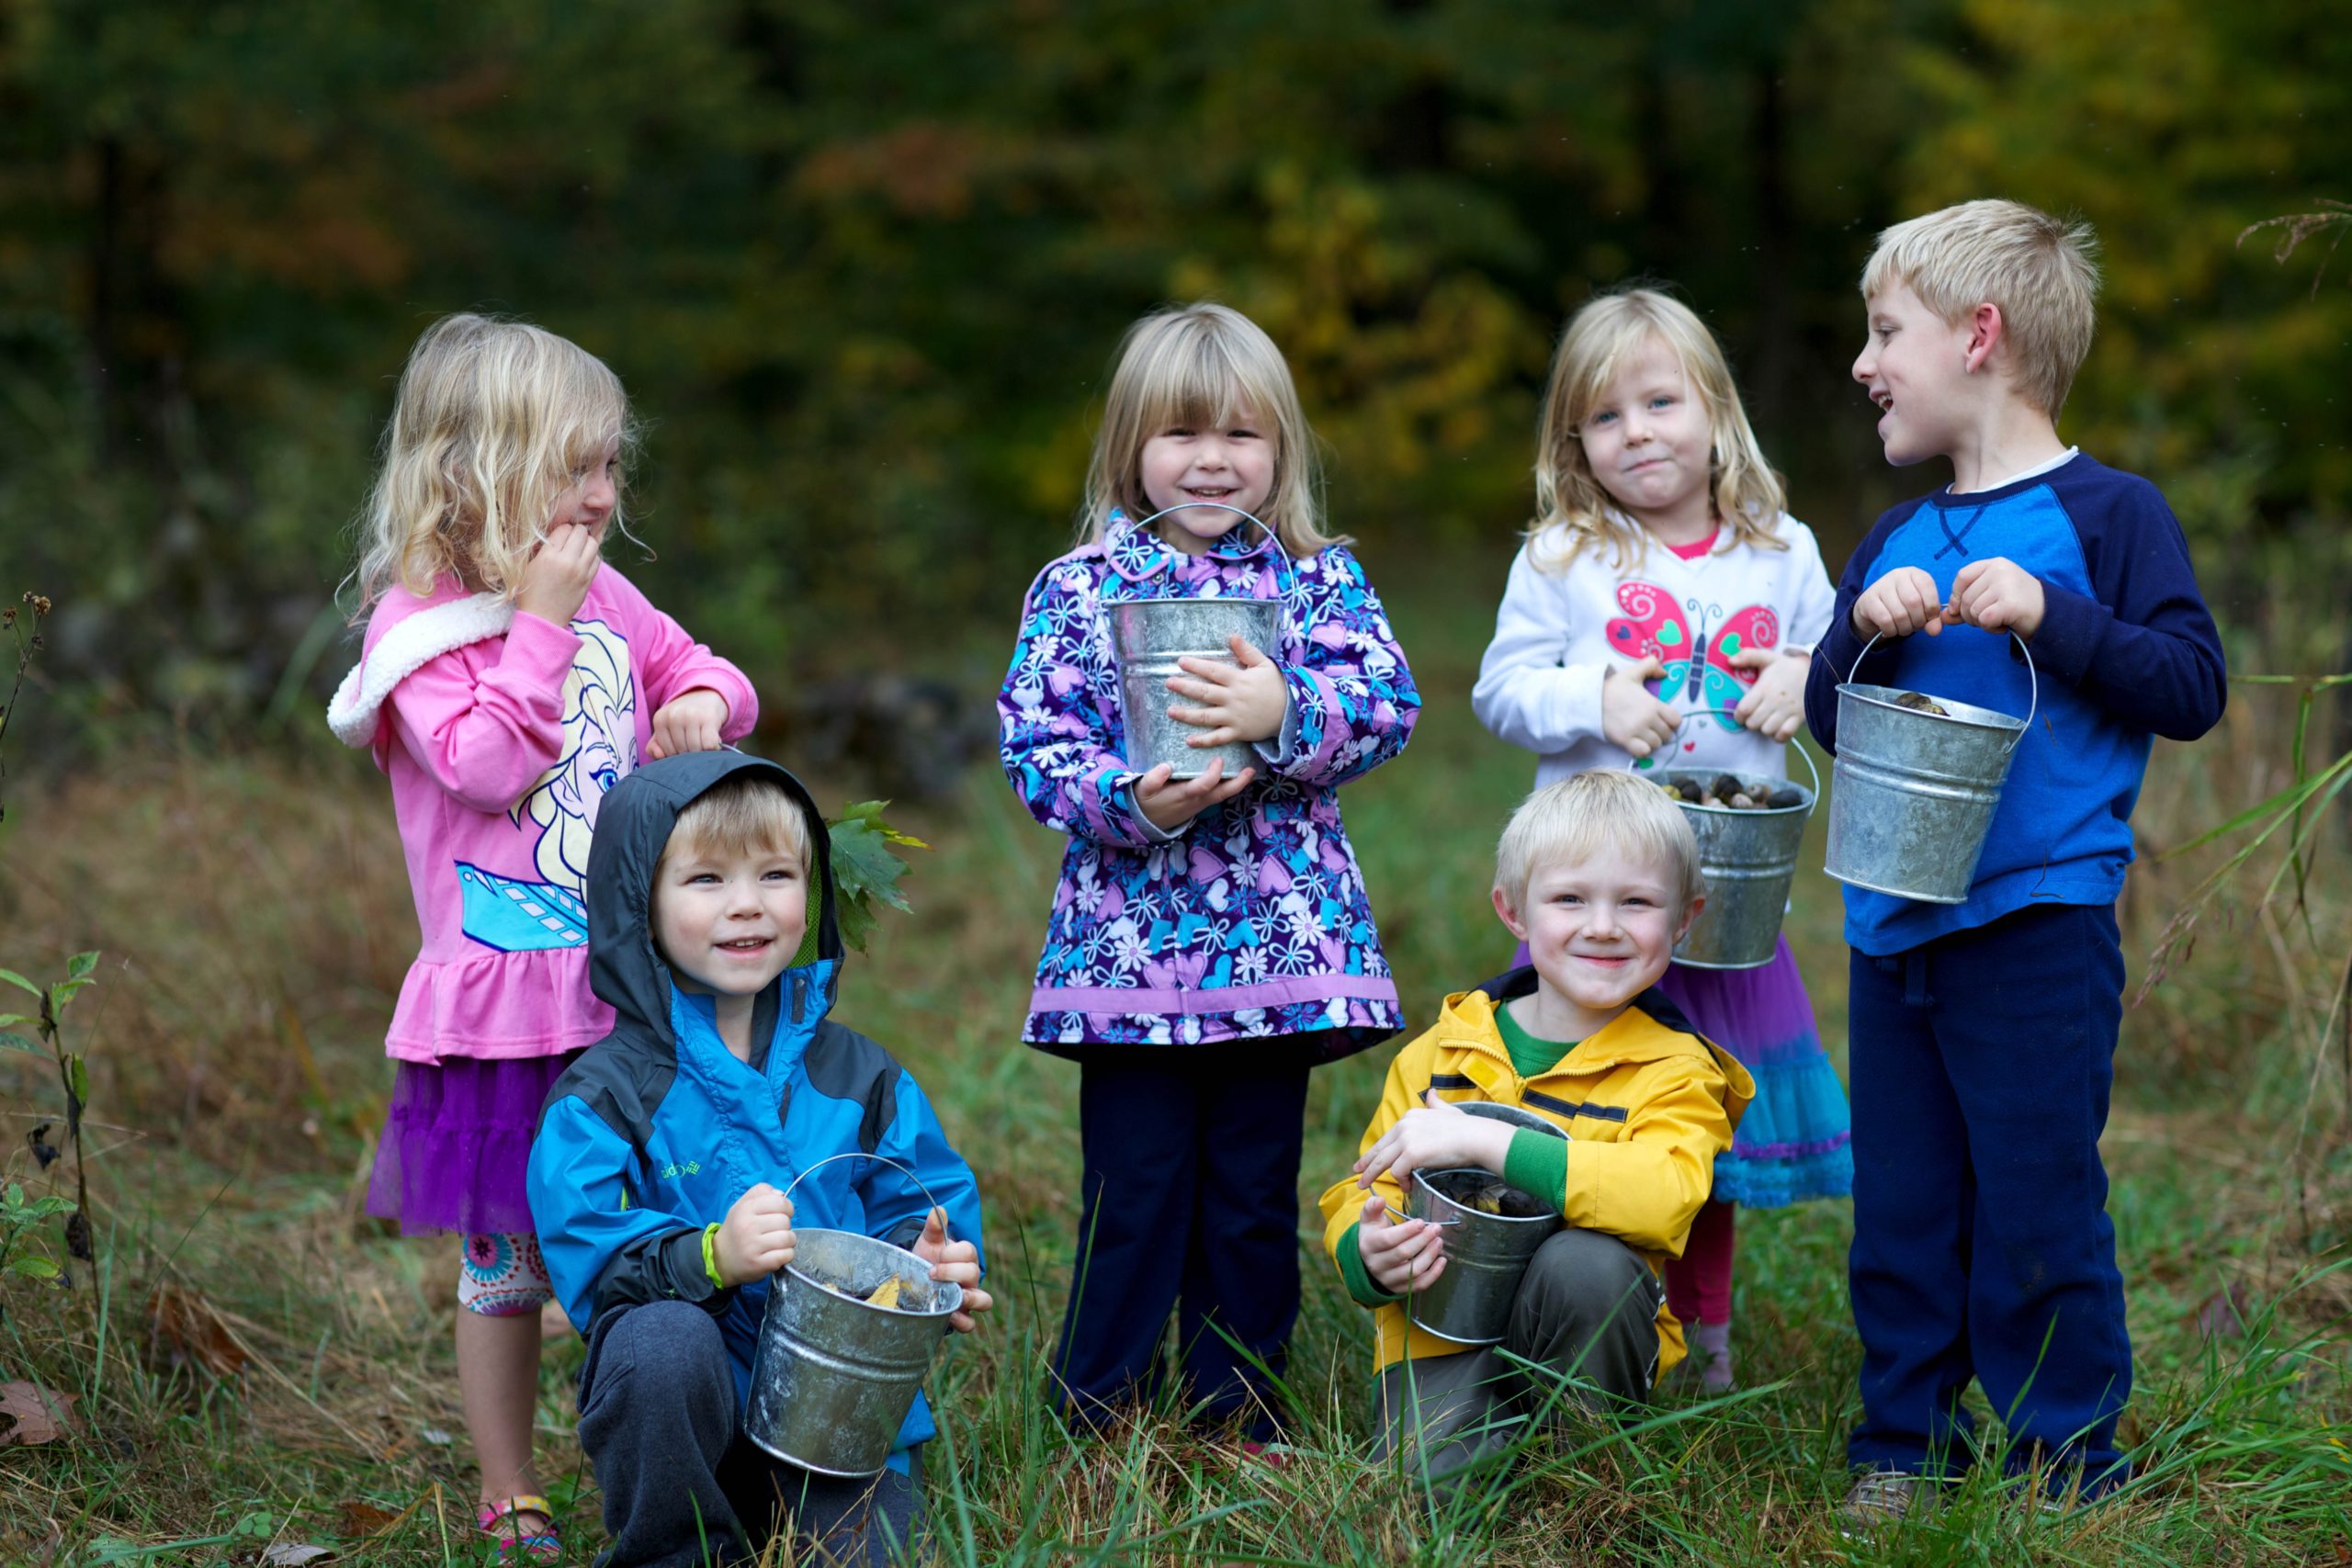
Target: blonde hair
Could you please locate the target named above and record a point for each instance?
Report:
(1590, 813)
(1571, 509)
(2041, 272)
(1199, 366)
(494, 422)
(743, 813)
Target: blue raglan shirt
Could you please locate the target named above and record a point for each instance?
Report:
(2126, 651)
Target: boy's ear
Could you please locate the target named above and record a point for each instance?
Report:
(1509, 915)
(1986, 329)
(1689, 917)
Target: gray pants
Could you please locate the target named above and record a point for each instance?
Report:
(682, 1487)
(1588, 1310)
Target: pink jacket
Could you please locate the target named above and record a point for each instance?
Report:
(502, 733)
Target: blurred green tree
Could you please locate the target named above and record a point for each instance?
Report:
(862, 264)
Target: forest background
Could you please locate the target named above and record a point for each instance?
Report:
(862, 267)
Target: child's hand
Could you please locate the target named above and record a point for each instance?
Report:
(1999, 595)
(1774, 707)
(956, 1260)
(1435, 1136)
(1233, 704)
(688, 722)
(1401, 1254)
(755, 1239)
(1171, 804)
(1629, 717)
(556, 579)
(1903, 602)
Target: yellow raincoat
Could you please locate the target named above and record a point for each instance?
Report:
(1647, 1103)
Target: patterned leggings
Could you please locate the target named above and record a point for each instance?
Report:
(503, 1275)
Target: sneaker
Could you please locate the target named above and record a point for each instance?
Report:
(1881, 1498)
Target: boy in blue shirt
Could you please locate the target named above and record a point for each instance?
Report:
(657, 1178)
(1982, 1035)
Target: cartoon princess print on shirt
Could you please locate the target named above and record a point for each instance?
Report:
(599, 750)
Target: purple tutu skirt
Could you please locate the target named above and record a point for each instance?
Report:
(457, 1144)
(1796, 1142)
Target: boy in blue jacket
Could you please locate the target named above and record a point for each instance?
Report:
(657, 1177)
(1983, 1033)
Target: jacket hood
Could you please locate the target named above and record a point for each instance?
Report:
(633, 824)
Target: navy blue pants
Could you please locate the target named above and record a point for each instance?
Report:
(1190, 1204)
(683, 1488)
(1981, 1063)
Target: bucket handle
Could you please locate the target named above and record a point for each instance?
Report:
(1806, 757)
(884, 1159)
(2033, 703)
(1286, 573)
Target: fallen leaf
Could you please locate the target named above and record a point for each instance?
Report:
(185, 1327)
(2225, 1313)
(363, 1518)
(30, 1414)
(286, 1554)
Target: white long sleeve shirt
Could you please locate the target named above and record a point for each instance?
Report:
(1559, 631)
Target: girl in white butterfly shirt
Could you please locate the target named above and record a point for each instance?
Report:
(1662, 612)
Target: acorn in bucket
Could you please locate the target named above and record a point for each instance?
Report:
(1732, 791)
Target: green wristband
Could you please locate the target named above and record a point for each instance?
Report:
(710, 1256)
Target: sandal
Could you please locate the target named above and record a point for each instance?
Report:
(514, 1544)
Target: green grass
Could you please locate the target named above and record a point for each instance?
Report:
(256, 926)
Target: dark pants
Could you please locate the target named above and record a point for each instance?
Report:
(1588, 1310)
(1192, 1203)
(659, 1421)
(1981, 1063)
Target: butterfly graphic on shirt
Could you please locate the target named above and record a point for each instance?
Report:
(1700, 675)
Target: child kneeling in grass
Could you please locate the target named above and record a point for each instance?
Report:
(658, 1178)
(1599, 875)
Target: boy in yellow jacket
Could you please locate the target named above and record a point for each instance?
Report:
(1599, 875)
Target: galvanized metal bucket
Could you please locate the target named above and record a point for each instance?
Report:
(834, 1376)
(1912, 792)
(1748, 859)
(1486, 1255)
(1149, 635)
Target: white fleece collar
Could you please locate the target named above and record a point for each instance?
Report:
(406, 648)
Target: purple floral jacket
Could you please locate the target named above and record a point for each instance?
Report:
(1251, 920)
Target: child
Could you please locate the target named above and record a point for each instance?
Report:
(1210, 941)
(506, 682)
(1984, 1032)
(1661, 610)
(1599, 876)
(658, 1176)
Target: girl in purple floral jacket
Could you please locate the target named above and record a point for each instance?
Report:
(1210, 940)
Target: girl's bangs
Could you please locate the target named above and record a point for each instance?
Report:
(1621, 340)
(1198, 385)
(1599, 363)
(590, 414)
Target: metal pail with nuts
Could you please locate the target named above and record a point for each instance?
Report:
(1485, 1253)
(834, 1374)
(1914, 787)
(1747, 857)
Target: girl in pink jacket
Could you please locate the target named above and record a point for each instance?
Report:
(508, 679)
